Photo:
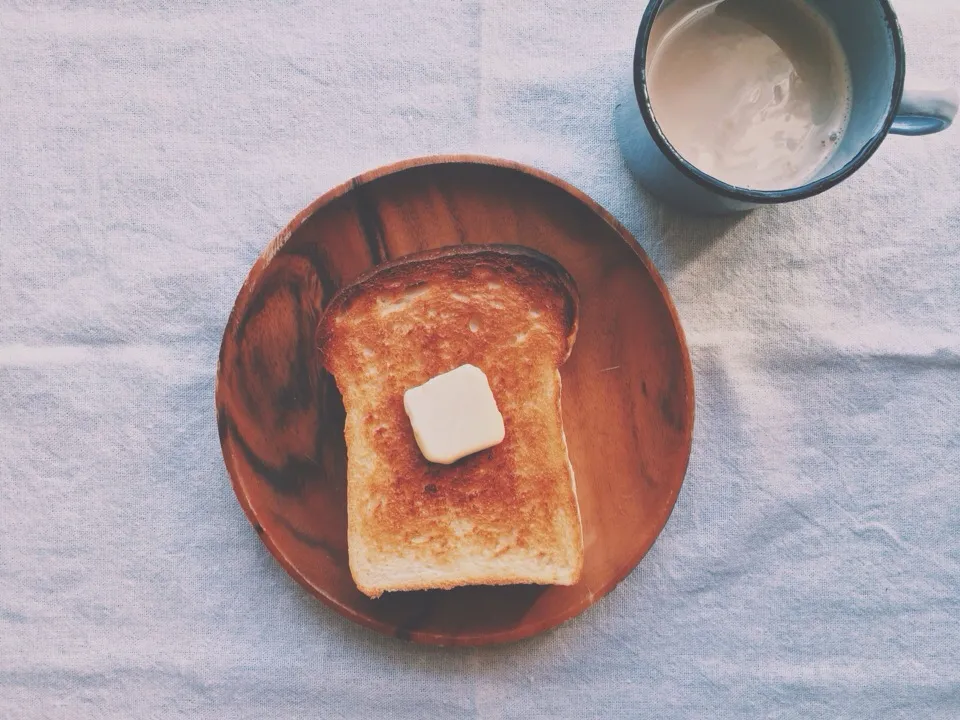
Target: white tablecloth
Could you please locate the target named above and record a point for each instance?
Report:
(149, 151)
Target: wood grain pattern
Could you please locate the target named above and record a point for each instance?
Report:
(627, 387)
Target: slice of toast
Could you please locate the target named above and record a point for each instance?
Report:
(504, 515)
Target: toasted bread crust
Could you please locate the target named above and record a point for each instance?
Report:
(422, 265)
(504, 515)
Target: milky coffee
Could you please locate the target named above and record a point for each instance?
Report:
(752, 92)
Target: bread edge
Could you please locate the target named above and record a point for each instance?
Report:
(370, 280)
(498, 581)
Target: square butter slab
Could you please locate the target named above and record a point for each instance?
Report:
(454, 415)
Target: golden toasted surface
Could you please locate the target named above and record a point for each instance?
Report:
(503, 515)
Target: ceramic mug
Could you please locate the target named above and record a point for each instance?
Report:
(871, 39)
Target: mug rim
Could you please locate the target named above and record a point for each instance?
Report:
(735, 192)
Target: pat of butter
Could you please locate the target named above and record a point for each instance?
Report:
(454, 415)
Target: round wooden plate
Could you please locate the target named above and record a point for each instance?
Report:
(627, 387)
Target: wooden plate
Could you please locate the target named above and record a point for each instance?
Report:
(627, 388)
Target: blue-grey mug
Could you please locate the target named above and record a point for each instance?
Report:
(869, 35)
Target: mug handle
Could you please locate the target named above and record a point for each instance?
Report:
(926, 108)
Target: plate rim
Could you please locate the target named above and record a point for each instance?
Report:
(250, 284)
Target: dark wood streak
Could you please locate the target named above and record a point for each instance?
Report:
(245, 390)
(258, 366)
(272, 284)
(666, 409)
(297, 392)
(370, 224)
(223, 423)
(634, 429)
(288, 479)
(259, 303)
(668, 399)
(328, 285)
(256, 305)
(337, 554)
(457, 222)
